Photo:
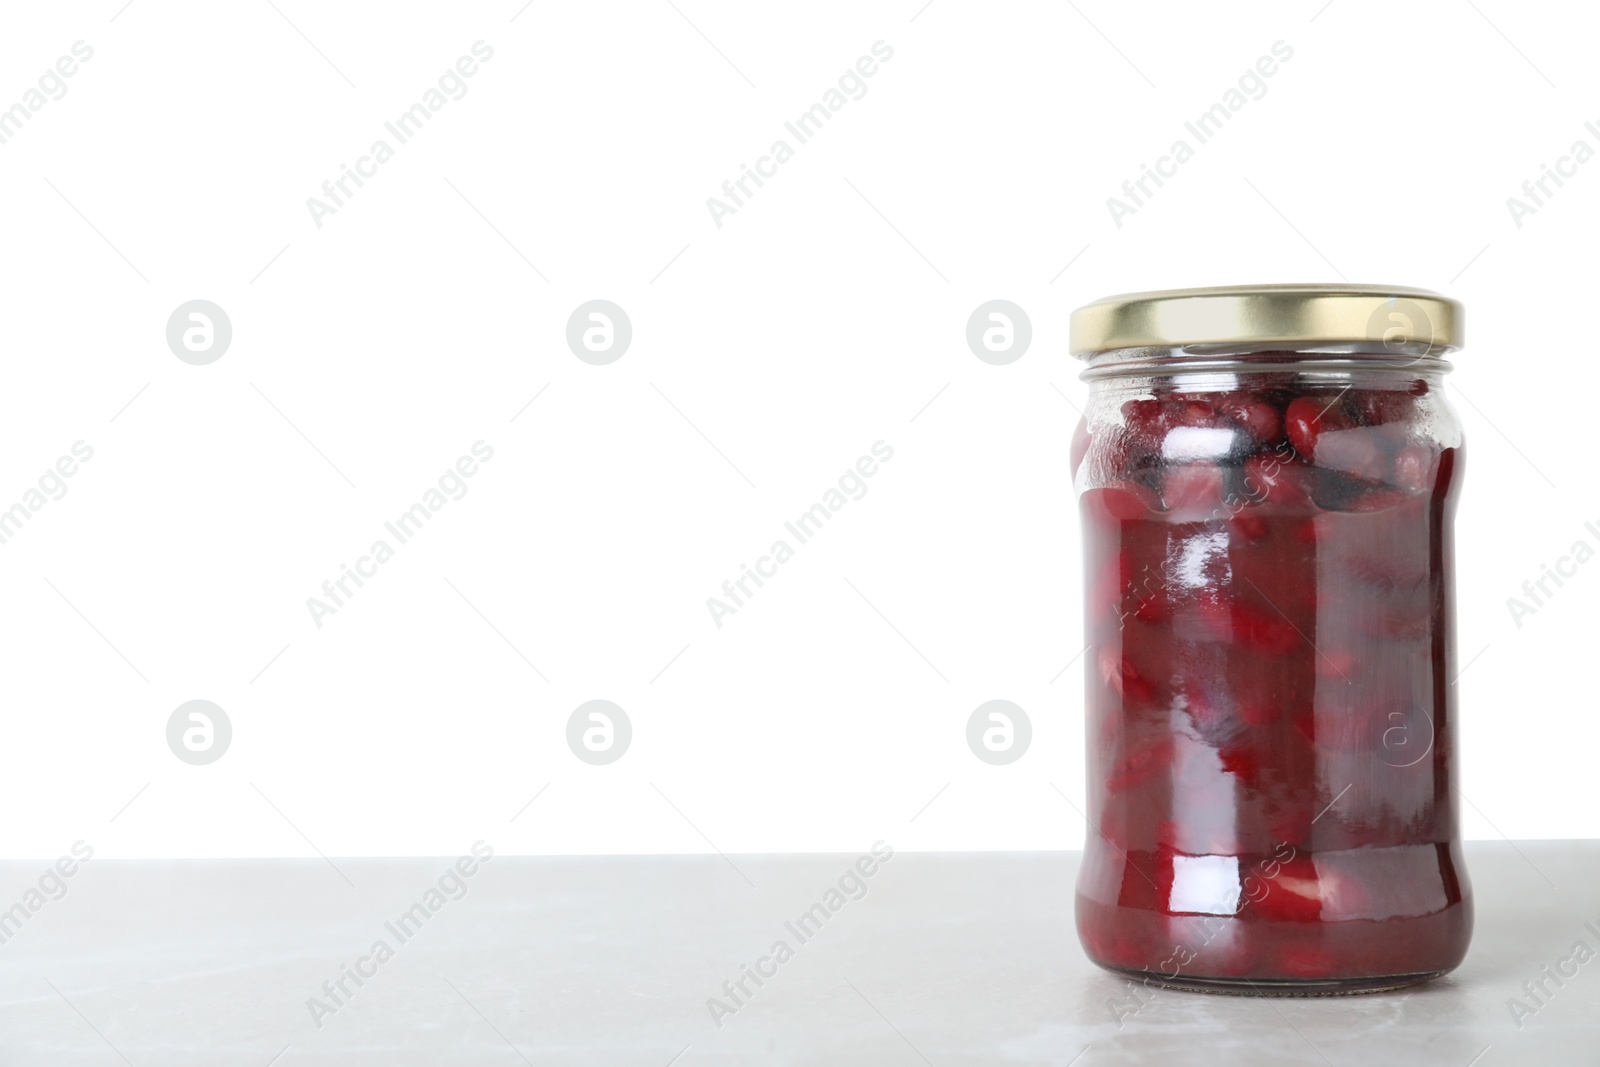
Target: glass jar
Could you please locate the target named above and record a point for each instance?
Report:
(1267, 479)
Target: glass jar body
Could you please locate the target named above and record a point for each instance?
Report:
(1270, 706)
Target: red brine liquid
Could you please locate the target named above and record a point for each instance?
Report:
(1270, 714)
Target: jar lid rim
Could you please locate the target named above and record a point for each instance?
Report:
(1288, 313)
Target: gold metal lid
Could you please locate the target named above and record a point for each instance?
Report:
(1266, 315)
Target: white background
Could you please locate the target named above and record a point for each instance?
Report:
(827, 314)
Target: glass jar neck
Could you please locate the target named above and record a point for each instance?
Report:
(1414, 358)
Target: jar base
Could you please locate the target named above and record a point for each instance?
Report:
(1278, 987)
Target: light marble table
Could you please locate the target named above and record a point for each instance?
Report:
(947, 959)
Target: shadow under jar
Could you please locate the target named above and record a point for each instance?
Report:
(1267, 479)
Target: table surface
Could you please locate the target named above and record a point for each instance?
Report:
(966, 958)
